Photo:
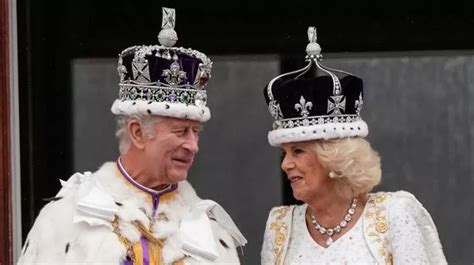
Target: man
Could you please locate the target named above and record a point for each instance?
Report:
(140, 209)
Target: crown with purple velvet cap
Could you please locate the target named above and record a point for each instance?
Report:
(163, 80)
(315, 102)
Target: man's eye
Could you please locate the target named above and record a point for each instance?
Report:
(180, 132)
(282, 154)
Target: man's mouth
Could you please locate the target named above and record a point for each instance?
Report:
(182, 161)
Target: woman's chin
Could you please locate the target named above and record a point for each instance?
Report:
(298, 194)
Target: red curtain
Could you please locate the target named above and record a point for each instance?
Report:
(5, 153)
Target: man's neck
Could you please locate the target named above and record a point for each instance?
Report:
(137, 172)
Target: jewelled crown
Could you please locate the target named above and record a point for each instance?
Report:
(315, 102)
(162, 79)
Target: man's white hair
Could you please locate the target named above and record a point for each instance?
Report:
(147, 123)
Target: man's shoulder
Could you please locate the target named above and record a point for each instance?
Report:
(60, 209)
(187, 192)
(208, 219)
(61, 206)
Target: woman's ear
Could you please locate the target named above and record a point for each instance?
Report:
(136, 133)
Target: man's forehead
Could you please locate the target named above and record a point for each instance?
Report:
(176, 122)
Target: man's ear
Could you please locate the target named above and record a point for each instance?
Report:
(136, 133)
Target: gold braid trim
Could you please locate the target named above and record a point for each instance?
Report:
(146, 233)
(150, 237)
(378, 226)
(128, 245)
(281, 231)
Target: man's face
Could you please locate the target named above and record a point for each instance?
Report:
(170, 152)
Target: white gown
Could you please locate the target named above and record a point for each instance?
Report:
(350, 248)
(394, 229)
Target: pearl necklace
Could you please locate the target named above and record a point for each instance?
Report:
(338, 228)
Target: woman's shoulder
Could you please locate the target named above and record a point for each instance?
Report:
(411, 228)
(401, 203)
(283, 213)
(295, 206)
(401, 198)
(283, 210)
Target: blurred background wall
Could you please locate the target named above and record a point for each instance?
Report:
(416, 60)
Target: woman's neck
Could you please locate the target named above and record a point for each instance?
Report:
(329, 207)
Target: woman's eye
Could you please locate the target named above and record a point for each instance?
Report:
(297, 151)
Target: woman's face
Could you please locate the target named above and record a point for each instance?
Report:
(306, 174)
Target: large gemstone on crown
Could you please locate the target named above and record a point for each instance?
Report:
(184, 97)
(160, 95)
(203, 79)
(200, 99)
(172, 97)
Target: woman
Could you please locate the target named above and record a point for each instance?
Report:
(332, 169)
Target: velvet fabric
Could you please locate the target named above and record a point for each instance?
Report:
(288, 90)
(157, 65)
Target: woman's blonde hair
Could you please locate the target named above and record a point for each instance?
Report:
(353, 163)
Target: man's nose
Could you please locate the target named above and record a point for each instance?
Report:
(192, 142)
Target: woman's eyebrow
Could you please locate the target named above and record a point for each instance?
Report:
(297, 146)
(284, 150)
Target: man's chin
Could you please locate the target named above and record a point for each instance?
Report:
(178, 176)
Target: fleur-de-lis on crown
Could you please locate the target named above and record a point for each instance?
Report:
(174, 75)
(304, 106)
(358, 104)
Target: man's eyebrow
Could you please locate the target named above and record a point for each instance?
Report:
(177, 127)
(185, 126)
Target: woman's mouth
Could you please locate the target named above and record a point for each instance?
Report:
(294, 179)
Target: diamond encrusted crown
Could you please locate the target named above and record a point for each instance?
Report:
(315, 102)
(162, 79)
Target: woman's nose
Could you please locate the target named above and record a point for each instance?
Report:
(287, 163)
